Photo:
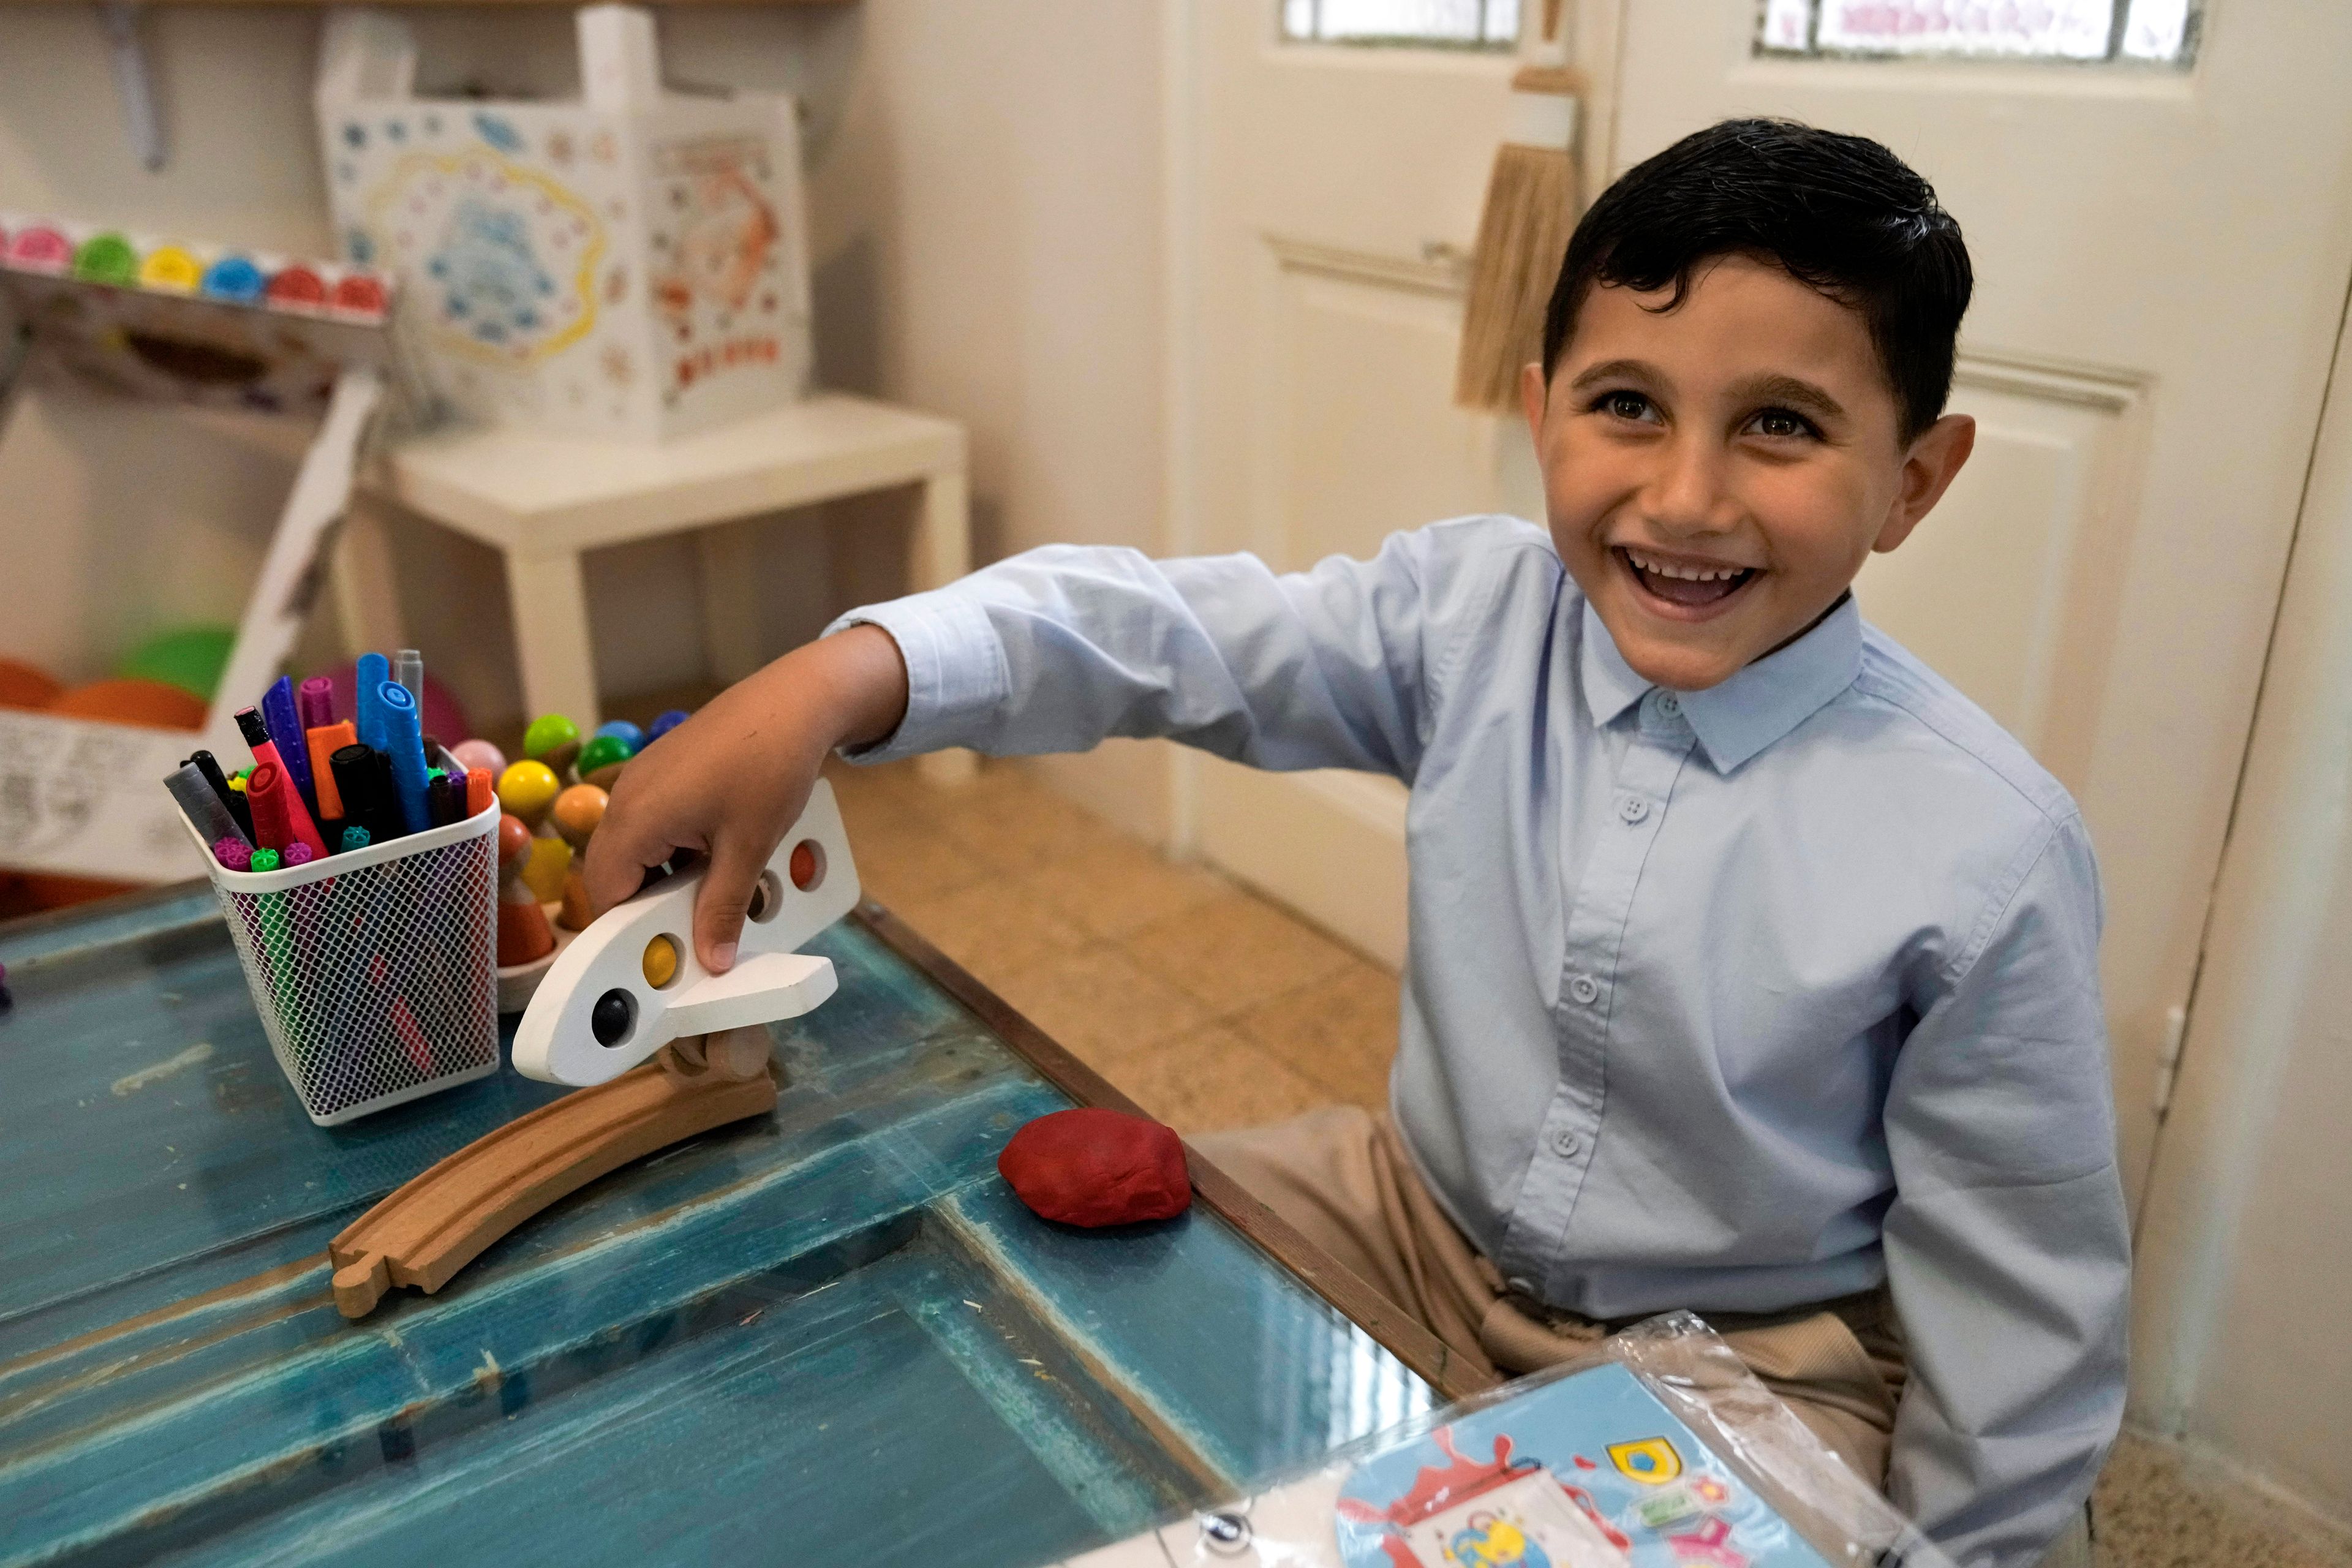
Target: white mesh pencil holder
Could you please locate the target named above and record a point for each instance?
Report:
(374, 971)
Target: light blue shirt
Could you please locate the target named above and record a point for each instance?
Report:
(1733, 1000)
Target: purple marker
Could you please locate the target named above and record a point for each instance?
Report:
(234, 854)
(317, 700)
(295, 854)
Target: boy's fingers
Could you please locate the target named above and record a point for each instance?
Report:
(724, 897)
(617, 862)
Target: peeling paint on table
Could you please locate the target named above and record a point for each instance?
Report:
(826, 1334)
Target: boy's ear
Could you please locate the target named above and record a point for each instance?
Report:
(1533, 385)
(1930, 466)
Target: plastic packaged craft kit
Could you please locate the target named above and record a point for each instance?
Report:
(1659, 1449)
(372, 969)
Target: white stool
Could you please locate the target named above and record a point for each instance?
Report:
(544, 499)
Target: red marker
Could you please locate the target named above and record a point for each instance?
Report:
(298, 823)
(278, 818)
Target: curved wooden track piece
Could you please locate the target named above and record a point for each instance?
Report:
(443, 1219)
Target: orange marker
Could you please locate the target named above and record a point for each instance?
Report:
(480, 791)
(323, 740)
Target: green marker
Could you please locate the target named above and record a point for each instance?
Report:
(276, 918)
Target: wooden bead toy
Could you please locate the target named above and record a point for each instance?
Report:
(472, 754)
(602, 759)
(523, 936)
(578, 812)
(552, 739)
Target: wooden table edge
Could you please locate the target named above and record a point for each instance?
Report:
(1346, 1290)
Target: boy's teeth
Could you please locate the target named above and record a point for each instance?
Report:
(1689, 573)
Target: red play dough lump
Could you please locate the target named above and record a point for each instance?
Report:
(1096, 1167)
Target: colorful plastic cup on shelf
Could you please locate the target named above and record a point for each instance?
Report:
(106, 258)
(234, 278)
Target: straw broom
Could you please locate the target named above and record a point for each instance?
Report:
(1523, 232)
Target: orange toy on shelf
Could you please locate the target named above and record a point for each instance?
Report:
(130, 701)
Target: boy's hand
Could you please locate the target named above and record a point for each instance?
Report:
(729, 782)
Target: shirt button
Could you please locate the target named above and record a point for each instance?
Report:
(1582, 988)
(1521, 1285)
(1669, 704)
(1566, 1144)
(1632, 808)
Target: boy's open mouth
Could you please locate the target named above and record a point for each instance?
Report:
(1685, 585)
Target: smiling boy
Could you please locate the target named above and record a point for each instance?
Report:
(1752, 970)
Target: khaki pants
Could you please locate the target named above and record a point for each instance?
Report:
(1345, 1180)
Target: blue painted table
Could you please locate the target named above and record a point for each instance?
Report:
(830, 1334)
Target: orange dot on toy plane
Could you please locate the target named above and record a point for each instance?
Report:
(661, 961)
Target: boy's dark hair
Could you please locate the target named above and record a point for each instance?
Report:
(1841, 214)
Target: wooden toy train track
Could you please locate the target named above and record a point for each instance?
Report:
(627, 989)
(435, 1225)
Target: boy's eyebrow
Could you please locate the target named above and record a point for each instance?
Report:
(1789, 389)
(1613, 369)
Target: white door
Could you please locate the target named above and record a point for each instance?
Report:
(1335, 188)
(2162, 252)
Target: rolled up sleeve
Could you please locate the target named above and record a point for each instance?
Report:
(2007, 1245)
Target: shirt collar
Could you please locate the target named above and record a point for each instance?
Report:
(1740, 717)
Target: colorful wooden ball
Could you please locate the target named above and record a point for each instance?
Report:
(527, 788)
(602, 758)
(514, 839)
(579, 811)
(472, 754)
(664, 723)
(551, 738)
(624, 731)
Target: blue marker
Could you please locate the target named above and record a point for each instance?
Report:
(279, 717)
(404, 734)
(367, 713)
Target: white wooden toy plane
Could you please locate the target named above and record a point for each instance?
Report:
(630, 984)
(627, 989)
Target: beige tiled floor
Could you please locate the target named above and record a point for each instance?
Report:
(1215, 1008)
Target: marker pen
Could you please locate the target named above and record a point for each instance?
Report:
(234, 855)
(439, 805)
(355, 837)
(316, 700)
(294, 816)
(408, 668)
(285, 726)
(205, 811)
(374, 669)
(209, 765)
(295, 855)
(366, 787)
(480, 792)
(323, 741)
(279, 819)
(405, 744)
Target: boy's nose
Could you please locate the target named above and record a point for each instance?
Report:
(1687, 494)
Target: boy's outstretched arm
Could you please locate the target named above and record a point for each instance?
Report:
(729, 782)
(1052, 651)
(2007, 1247)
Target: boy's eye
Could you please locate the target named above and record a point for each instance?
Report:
(1780, 423)
(1623, 405)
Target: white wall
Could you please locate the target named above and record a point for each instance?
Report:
(985, 209)
(2245, 1264)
